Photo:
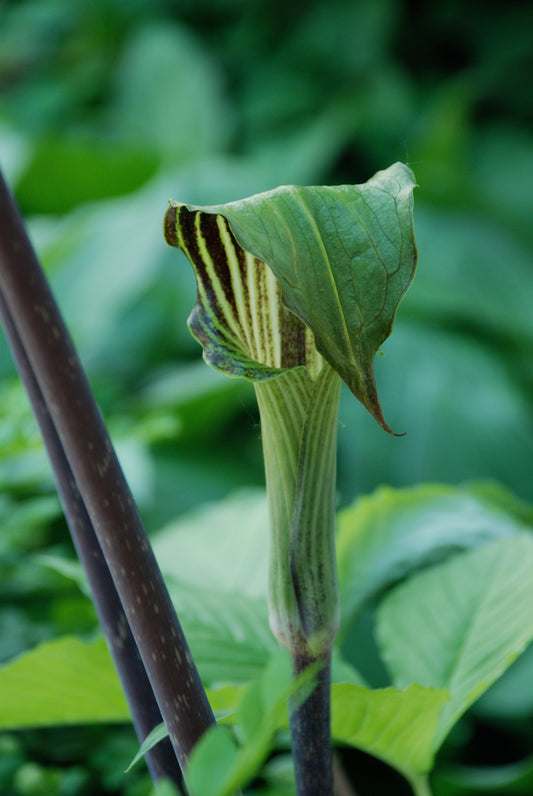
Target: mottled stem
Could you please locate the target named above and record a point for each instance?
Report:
(311, 732)
(161, 760)
(106, 497)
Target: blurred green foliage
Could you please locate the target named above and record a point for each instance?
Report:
(109, 108)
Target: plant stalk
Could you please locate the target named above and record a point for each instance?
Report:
(97, 473)
(161, 760)
(420, 786)
(311, 731)
(299, 431)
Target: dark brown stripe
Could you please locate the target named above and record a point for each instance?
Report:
(293, 349)
(211, 234)
(186, 219)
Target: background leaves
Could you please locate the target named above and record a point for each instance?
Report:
(459, 626)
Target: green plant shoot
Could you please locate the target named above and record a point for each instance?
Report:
(297, 289)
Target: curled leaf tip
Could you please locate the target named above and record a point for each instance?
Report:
(169, 225)
(377, 413)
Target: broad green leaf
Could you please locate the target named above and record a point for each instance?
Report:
(228, 634)
(459, 625)
(342, 257)
(398, 726)
(235, 531)
(66, 681)
(79, 170)
(70, 681)
(395, 725)
(385, 536)
(213, 759)
(224, 701)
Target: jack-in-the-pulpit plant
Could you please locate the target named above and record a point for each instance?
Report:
(297, 289)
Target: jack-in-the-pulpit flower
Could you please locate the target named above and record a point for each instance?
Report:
(297, 289)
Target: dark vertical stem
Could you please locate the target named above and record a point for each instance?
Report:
(311, 731)
(161, 760)
(103, 489)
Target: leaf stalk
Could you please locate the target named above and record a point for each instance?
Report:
(299, 425)
(79, 435)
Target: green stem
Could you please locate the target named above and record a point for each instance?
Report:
(299, 424)
(420, 786)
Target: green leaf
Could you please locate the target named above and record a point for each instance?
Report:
(513, 778)
(78, 170)
(211, 763)
(398, 726)
(385, 536)
(351, 246)
(164, 787)
(228, 634)
(69, 681)
(159, 733)
(461, 624)
(66, 681)
(236, 533)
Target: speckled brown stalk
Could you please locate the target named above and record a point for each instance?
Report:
(105, 495)
(161, 760)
